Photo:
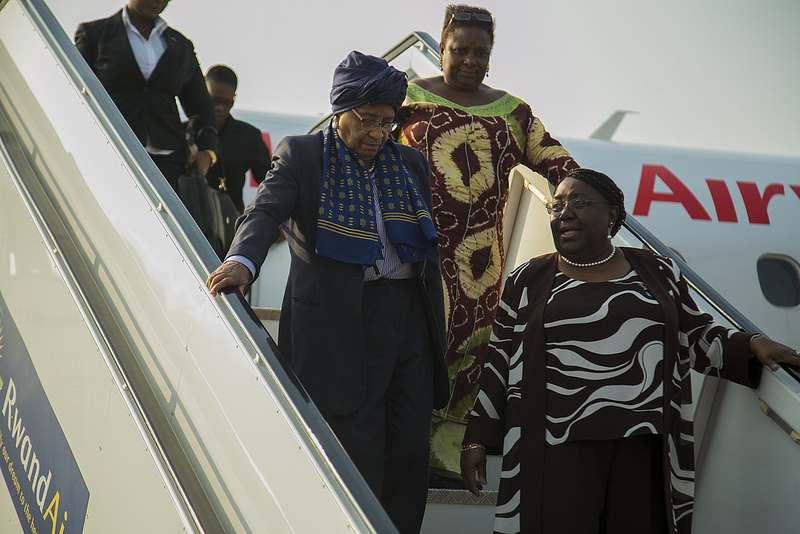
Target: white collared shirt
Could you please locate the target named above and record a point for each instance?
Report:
(146, 51)
(390, 265)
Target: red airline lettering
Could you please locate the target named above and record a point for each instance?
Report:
(679, 193)
(726, 212)
(756, 204)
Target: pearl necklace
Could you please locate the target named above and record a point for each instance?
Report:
(591, 263)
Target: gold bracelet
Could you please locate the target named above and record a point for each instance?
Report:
(470, 446)
(212, 155)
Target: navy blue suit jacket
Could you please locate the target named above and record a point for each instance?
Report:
(321, 330)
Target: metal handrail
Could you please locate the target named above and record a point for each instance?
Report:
(694, 280)
(428, 47)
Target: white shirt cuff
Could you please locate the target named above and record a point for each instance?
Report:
(244, 261)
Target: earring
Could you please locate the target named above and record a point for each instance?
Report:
(610, 226)
(487, 70)
(441, 67)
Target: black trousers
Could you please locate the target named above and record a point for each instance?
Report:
(388, 436)
(605, 487)
(172, 165)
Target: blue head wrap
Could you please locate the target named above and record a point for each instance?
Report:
(361, 79)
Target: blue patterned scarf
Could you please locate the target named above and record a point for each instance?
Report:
(346, 229)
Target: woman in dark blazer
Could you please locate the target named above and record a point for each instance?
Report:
(362, 322)
(145, 93)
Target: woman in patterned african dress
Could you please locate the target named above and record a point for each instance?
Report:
(472, 135)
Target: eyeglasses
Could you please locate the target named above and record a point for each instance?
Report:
(575, 204)
(224, 102)
(464, 15)
(368, 124)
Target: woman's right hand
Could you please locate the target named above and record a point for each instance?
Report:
(473, 467)
(230, 273)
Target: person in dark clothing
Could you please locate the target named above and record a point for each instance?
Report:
(240, 146)
(362, 320)
(144, 65)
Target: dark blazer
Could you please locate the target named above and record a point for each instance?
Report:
(241, 147)
(149, 105)
(321, 330)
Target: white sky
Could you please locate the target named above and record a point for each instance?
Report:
(718, 74)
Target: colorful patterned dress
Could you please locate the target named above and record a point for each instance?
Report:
(471, 151)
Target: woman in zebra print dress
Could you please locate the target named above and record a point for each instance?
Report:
(586, 390)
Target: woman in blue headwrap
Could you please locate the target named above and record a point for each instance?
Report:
(362, 322)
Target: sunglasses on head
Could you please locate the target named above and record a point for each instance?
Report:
(464, 15)
(224, 102)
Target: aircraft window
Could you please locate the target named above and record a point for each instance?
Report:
(779, 277)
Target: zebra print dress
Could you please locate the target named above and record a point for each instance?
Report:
(510, 414)
(604, 362)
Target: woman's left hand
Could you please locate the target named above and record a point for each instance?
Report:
(473, 469)
(770, 352)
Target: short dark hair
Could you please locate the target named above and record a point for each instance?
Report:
(607, 188)
(450, 23)
(222, 74)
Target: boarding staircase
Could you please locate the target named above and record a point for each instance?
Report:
(133, 401)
